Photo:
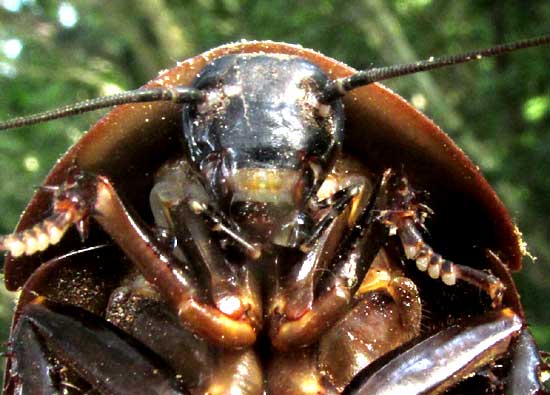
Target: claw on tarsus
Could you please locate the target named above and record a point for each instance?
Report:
(69, 207)
(39, 237)
(403, 216)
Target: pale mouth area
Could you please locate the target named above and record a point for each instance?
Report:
(273, 186)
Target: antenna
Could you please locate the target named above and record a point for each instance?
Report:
(177, 94)
(341, 86)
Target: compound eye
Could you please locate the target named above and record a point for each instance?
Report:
(322, 111)
(213, 100)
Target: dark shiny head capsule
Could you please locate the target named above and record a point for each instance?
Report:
(262, 139)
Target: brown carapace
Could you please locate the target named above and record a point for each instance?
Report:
(279, 249)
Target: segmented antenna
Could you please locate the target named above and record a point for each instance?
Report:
(177, 94)
(340, 87)
(333, 90)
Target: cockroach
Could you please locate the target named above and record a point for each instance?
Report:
(264, 219)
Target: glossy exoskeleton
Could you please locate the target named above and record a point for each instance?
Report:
(280, 249)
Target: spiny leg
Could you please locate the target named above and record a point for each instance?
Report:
(298, 319)
(99, 353)
(227, 324)
(442, 360)
(319, 249)
(309, 303)
(180, 202)
(87, 195)
(526, 367)
(386, 313)
(137, 308)
(403, 215)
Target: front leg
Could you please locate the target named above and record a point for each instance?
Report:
(320, 287)
(399, 210)
(87, 195)
(298, 318)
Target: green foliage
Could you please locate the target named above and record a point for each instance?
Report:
(497, 110)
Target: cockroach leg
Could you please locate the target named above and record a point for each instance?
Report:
(319, 250)
(86, 343)
(227, 324)
(336, 204)
(71, 206)
(386, 313)
(297, 317)
(526, 367)
(220, 224)
(399, 211)
(442, 360)
(202, 368)
(180, 203)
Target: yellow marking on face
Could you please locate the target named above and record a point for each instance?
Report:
(264, 185)
(263, 179)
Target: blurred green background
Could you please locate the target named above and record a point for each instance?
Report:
(53, 53)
